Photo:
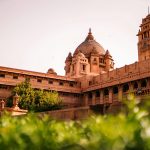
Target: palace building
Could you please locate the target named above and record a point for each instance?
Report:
(90, 78)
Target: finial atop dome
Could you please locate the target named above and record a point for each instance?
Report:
(107, 52)
(90, 36)
(86, 47)
(90, 31)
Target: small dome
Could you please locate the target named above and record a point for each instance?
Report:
(80, 54)
(69, 57)
(51, 71)
(88, 45)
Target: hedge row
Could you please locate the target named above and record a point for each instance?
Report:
(129, 130)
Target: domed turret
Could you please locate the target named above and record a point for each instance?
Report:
(68, 63)
(89, 58)
(51, 71)
(69, 57)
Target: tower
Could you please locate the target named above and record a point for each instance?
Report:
(89, 58)
(109, 61)
(144, 39)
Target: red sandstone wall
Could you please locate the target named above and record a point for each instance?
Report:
(68, 114)
(4, 93)
(121, 75)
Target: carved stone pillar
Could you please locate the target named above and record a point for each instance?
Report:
(110, 95)
(148, 86)
(120, 92)
(85, 99)
(139, 84)
(93, 98)
(131, 87)
(148, 83)
(101, 96)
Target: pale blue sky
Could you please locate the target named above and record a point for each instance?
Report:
(38, 34)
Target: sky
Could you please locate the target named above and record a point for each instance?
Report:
(38, 34)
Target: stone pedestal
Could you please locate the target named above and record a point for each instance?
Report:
(15, 110)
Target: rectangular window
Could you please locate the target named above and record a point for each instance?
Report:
(39, 80)
(83, 67)
(97, 94)
(71, 84)
(2, 75)
(15, 76)
(50, 81)
(61, 83)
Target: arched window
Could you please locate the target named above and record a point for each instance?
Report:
(135, 85)
(83, 67)
(97, 93)
(115, 90)
(90, 95)
(106, 91)
(143, 83)
(125, 87)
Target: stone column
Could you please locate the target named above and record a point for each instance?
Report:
(101, 96)
(130, 87)
(110, 95)
(139, 84)
(148, 83)
(85, 99)
(120, 93)
(93, 98)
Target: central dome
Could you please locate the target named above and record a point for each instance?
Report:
(89, 45)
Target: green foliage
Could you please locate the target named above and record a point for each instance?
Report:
(125, 131)
(35, 100)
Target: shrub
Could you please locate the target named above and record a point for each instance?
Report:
(125, 131)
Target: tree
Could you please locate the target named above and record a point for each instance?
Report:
(36, 100)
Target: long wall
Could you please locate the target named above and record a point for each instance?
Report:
(67, 88)
(112, 86)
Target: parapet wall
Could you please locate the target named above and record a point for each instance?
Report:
(135, 71)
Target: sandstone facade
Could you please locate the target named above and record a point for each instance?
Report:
(90, 79)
